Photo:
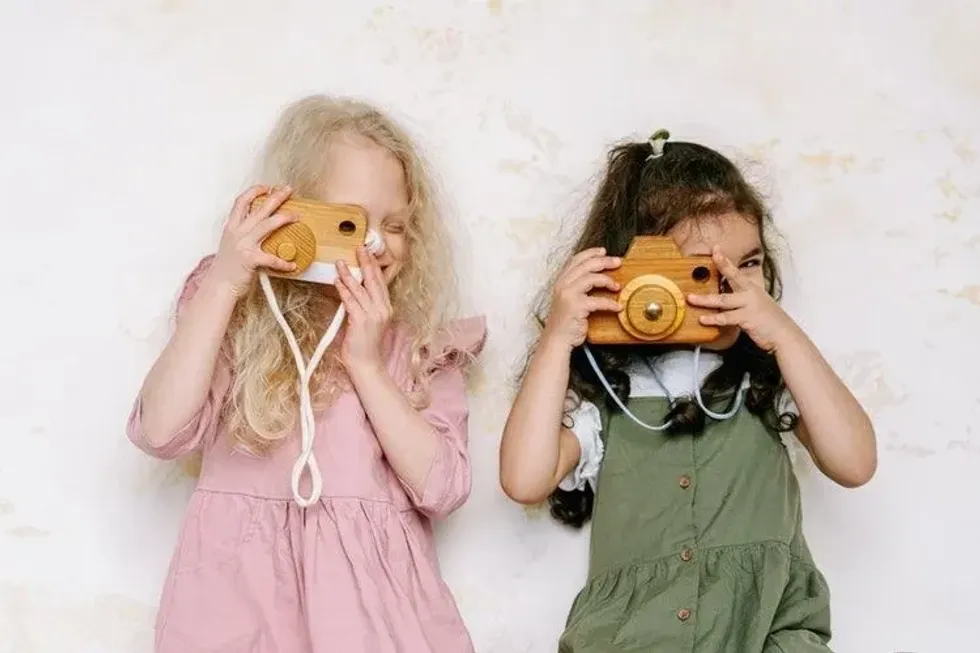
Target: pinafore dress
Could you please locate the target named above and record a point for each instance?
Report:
(697, 545)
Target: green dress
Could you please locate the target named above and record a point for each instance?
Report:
(697, 545)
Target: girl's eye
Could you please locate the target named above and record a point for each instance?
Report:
(753, 263)
(395, 228)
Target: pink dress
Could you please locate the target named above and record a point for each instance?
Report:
(357, 572)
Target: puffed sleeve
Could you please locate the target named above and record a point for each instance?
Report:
(586, 424)
(786, 404)
(794, 447)
(449, 480)
(202, 426)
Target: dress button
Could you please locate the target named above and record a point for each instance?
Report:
(686, 555)
(685, 481)
(683, 614)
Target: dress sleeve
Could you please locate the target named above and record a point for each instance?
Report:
(202, 426)
(586, 424)
(449, 481)
(794, 447)
(786, 404)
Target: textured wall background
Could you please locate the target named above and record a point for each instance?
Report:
(128, 126)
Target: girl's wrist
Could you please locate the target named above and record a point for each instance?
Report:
(216, 288)
(362, 369)
(555, 344)
(221, 286)
(789, 337)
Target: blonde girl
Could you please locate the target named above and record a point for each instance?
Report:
(340, 557)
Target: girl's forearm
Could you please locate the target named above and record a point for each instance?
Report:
(834, 427)
(408, 440)
(530, 450)
(177, 384)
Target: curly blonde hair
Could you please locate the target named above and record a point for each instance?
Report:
(263, 404)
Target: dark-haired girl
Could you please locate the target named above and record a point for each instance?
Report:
(675, 453)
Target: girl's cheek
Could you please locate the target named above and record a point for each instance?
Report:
(754, 274)
(397, 246)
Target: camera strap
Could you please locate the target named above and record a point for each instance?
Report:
(307, 424)
(735, 406)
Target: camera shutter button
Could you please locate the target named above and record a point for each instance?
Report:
(286, 251)
(653, 311)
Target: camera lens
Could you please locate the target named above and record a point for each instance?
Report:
(347, 227)
(700, 274)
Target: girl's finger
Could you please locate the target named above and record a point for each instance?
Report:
(242, 203)
(726, 318)
(726, 301)
(595, 280)
(269, 206)
(261, 230)
(727, 269)
(262, 260)
(354, 309)
(584, 255)
(602, 304)
(570, 269)
(353, 285)
(593, 265)
(376, 288)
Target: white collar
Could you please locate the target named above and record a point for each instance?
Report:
(674, 369)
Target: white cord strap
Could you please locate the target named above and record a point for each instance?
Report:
(307, 424)
(736, 404)
(739, 395)
(374, 242)
(615, 397)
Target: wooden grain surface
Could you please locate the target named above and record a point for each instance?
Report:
(654, 270)
(325, 233)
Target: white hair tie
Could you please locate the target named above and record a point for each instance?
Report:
(657, 143)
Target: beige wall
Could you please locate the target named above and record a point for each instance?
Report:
(127, 127)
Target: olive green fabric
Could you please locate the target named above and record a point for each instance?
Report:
(697, 545)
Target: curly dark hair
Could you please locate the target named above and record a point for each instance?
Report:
(642, 196)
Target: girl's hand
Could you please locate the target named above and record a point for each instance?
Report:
(369, 311)
(748, 307)
(239, 253)
(571, 304)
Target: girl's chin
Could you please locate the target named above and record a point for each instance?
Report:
(727, 338)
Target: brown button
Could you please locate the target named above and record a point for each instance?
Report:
(686, 555)
(685, 481)
(683, 614)
(286, 251)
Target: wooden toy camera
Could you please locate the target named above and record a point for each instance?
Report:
(654, 280)
(325, 234)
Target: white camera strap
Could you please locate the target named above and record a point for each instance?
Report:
(735, 406)
(307, 422)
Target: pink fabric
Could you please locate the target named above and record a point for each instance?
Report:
(255, 573)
